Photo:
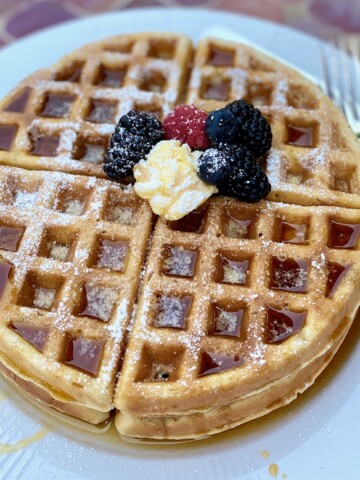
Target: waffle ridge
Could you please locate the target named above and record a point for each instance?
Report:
(183, 328)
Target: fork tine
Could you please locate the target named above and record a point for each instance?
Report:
(344, 77)
(353, 48)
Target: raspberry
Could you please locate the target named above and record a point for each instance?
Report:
(134, 136)
(214, 166)
(187, 124)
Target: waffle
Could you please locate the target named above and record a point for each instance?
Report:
(314, 158)
(224, 288)
(183, 328)
(63, 116)
(73, 252)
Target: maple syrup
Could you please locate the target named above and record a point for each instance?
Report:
(217, 362)
(45, 146)
(300, 136)
(172, 312)
(234, 271)
(163, 49)
(7, 136)
(57, 105)
(226, 323)
(36, 336)
(289, 274)
(111, 78)
(336, 272)
(154, 82)
(343, 235)
(218, 90)
(101, 112)
(97, 302)
(236, 228)
(221, 58)
(194, 222)
(112, 254)
(258, 94)
(83, 353)
(91, 153)
(18, 105)
(70, 74)
(293, 233)
(283, 323)
(5, 273)
(179, 262)
(342, 185)
(10, 238)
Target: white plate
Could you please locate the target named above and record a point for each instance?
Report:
(316, 437)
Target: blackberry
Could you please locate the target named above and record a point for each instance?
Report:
(247, 181)
(221, 127)
(143, 124)
(134, 136)
(214, 166)
(253, 129)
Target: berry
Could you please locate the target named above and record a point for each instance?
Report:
(134, 136)
(187, 124)
(221, 127)
(214, 166)
(144, 124)
(247, 181)
(239, 123)
(254, 131)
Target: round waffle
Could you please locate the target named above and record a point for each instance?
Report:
(183, 328)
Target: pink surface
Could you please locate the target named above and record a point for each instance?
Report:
(324, 18)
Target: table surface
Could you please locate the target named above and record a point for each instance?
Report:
(323, 18)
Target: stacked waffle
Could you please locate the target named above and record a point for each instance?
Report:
(184, 328)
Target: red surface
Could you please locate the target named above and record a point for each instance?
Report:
(320, 17)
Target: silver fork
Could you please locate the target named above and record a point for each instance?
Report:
(341, 72)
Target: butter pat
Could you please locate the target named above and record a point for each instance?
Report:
(168, 180)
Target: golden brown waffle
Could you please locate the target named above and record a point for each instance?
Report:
(74, 248)
(314, 159)
(240, 306)
(223, 289)
(63, 117)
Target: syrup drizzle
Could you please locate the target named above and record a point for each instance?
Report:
(300, 136)
(36, 336)
(18, 105)
(84, 354)
(4, 448)
(289, 274)
(57, 105)
(194, 222)
(227, 323)
(5, 273)
(336, 272)
(112, 78)
(343, 235)
(282, 324)
(10, 238)
(179, 262)
(221, 58)
(101, 112)
(216, 362)
(46, 146)
(172, 312)
(293, 233)
(7, 135)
